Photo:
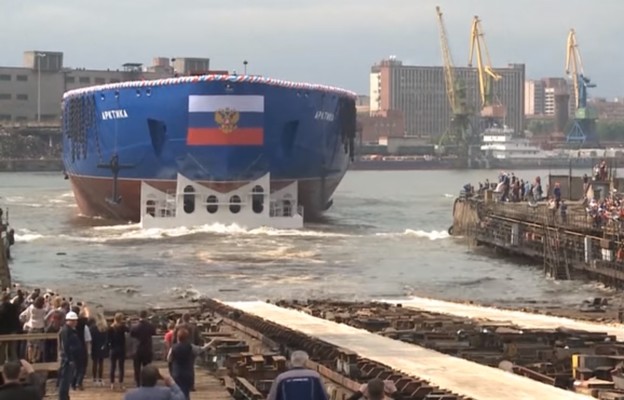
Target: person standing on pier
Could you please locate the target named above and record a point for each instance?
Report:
(299, 383)
(193, 333)
(182, 360)
(99, 348)
(71, 350)
(117, 345)
(9, 323)
(84, 334)
(143, 332)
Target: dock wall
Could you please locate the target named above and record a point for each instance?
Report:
(31, 165)
(567, 248)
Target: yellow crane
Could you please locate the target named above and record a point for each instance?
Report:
(491, 109)
(584, 127)
(460, 133)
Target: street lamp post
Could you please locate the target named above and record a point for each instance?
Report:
(39, 57)
(245, 65)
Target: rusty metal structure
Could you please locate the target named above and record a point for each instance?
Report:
(344, 371)
(540, 354)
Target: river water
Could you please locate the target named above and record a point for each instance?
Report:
(385, 236)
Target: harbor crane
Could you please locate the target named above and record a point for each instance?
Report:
(583, 129)
(459, 134)
(492, 111)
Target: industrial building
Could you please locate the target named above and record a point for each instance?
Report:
(419, 92)
(34, 91)
(540, 96)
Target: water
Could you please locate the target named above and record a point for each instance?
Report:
(385, 236)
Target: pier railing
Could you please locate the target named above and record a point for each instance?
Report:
(12, 340)
(576, 217)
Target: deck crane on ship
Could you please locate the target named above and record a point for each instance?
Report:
(492, 111)
(459, 133)
(583, 129)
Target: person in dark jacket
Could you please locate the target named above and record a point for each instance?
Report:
(13, 389)
(84, 334)
(182, 360)
(9, 323)
(193, 332)
(99, 348)
(143, 332)
(71, 350)
(299, 383)
(117, 345)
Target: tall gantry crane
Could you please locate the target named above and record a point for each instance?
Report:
(583, 130)
(459, 133)
(491, 110)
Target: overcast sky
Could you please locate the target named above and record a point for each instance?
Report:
(322, 41)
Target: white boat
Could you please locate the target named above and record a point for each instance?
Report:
(252, 205)
(499, 143)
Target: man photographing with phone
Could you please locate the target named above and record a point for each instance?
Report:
(150, 375)
(12, 371)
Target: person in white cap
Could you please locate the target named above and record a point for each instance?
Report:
(70, 351)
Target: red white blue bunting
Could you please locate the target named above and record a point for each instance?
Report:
(210, 78)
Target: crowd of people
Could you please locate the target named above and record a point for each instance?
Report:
(84, 338)
(608, 209)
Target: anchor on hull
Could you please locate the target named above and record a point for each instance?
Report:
(115, 167)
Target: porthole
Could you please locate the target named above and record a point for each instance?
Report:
(212, 206)
(235, 204)
(257, 199)
(150, 207)
(189, 199)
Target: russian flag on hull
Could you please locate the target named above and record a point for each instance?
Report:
(225, 120)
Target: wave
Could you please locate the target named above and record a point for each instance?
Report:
(431, 235)
(277, 255)
(448, 195)
(135, 232)
(475, 282)
(26, 235)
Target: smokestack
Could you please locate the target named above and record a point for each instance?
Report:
(562, 114)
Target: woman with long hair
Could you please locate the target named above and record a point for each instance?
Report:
(117, 345)
(34, 322)
(99, 347)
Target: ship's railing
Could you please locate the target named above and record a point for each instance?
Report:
(284, 209)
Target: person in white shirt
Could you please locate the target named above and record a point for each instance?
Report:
(33, 318)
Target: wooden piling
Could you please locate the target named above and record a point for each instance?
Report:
(5, 271)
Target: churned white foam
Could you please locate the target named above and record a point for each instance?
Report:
(431, 235)
(448, 195)
(25, 235)
(135, 232)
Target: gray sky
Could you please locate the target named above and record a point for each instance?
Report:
(322, 41)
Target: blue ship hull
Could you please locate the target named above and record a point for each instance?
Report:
(115, 136)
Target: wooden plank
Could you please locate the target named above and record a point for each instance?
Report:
(208, 386)
(15, 337)
(473, 380)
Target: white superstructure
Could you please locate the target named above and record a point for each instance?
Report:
(250, 205)
(499, 143)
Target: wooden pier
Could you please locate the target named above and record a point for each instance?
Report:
(568, 246)
(208, 387)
